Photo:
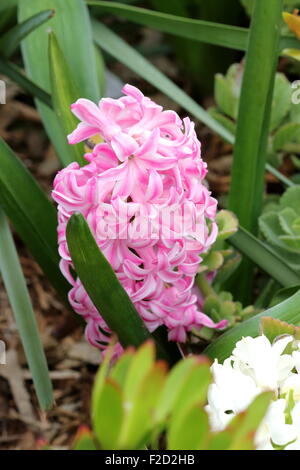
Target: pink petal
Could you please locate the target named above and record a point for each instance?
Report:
(82, 132)
(123, 145)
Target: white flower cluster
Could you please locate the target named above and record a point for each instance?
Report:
(255, 366)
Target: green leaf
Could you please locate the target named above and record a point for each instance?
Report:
(285, 135)
(220, 441)
(283, 179)
(223, 120)
(264, 257)
(101, 376)
(228, 269)
(194, 388)
(11, 40)
(84, 440)
(139, 419)
(286, 219)
(291, 199)
(120, 369)
(292, 242)
(139, 367)
(15, 73)
(103, 287)
(226, 100)
(281, 227)
(283, 294)
(173, 387)
(32, 214)
(64, 93)
(287, 311)
(227, 224)
(272, 328)
(120, 50)
(108, 415)
(244, 425)
(71, 25)
(281, 102)
(250, 151)
(190, 431)
(25, 319)
(271, 227)
(212, 261)
(204, 31)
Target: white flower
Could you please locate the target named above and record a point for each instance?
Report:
(291, 383)
(257, 365)
(295, 414)
(263, 361)
(230, 394)
(274, 428)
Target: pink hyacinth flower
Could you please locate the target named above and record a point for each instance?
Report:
(149, 162)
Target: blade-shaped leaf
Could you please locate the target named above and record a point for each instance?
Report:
(250, 151)
(287, 311)
(203, 31)
(103, 287)
(264, 257)
(71, 25)
(208, 32)
(25, 319)
(11, 40)
(15, 73)
(32, 214)
(64, 93)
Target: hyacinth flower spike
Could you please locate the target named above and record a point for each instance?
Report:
(149, 160)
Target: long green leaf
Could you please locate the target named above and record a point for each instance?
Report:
(203, 31)
(64, 93)
(11, 40)
(103, 287)
(223, 35)
(15, 73)
(250, 151)
(32, 215)
(264, 257)
(120, 50)
(71, 25)
(25, 319)
(288, 311)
